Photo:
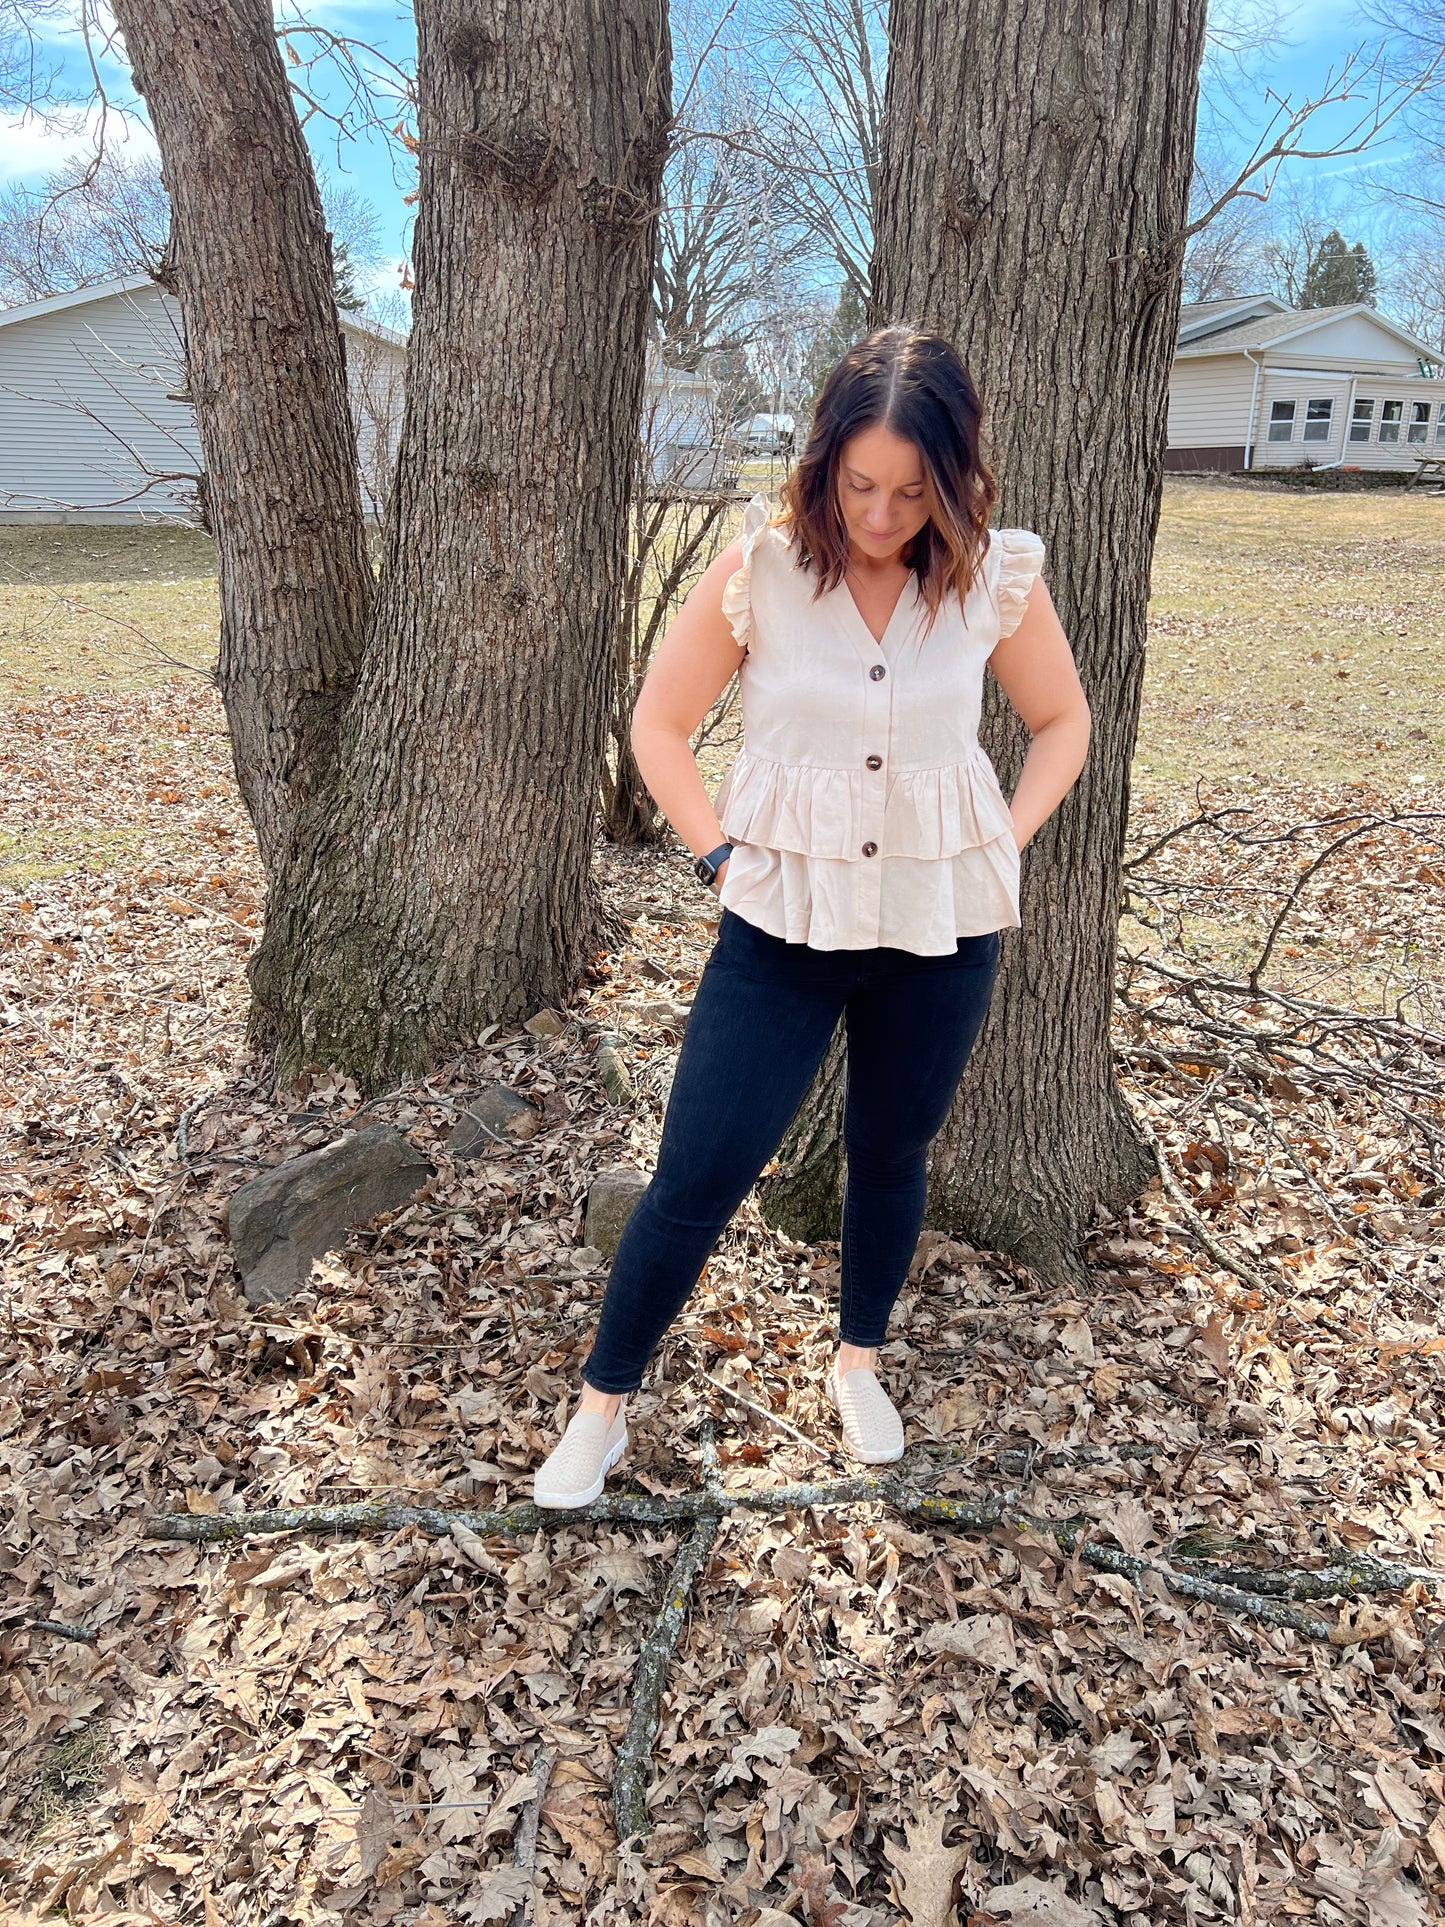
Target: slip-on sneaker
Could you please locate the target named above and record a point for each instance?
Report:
(581, 1460)
(872, 1429)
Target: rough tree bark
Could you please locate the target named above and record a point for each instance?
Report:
(1034, 187)
(440, 873)
(1035, 180)
(252, 272)
(446, 880)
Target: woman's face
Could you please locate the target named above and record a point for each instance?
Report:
(883, 494)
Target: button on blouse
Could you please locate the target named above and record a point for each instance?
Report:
(861, 807)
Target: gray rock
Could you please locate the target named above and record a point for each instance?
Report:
(612, 1069)
(303, 1208)
(496, 1113)
(611, 1198)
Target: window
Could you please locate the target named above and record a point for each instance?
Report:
(1419, 418)
(1440, 423)
(1390, 413)
(1281, 421)
(1364, 414)
(1318, 415)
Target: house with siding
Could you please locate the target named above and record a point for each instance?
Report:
(94, 421)
(1257, 384)
(95, 425)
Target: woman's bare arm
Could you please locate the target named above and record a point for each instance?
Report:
(1035, 669)
(690, 668)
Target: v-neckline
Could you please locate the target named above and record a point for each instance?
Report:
(861, 632)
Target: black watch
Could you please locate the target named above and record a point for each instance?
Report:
(708, 866)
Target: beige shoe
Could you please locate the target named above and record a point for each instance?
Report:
(585, 1454)
(872, 1429)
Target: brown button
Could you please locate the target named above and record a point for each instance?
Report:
(875, 762)
(870, 849)
(877, 672)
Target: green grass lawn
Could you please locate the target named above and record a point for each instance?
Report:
(92, 610)
(1293, 636)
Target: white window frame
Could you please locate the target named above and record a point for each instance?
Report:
(1278, 421)
(1362, 419)
(1418, 426)
(1390, 424)
(1322, 423)
(1440, 423)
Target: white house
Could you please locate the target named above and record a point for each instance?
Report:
(94, 424)
(1258, 384)
(681, 433)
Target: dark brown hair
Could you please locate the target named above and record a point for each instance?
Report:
(913, 383)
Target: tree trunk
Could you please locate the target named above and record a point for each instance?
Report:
(803, 1196)
(445, 879)
(267, 376)
(1034, 184)
(673, 541)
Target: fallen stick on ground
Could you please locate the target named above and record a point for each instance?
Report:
(1352, 1579)
(634, 1756)
(524, 1846)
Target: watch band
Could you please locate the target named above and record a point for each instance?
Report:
(707, 867)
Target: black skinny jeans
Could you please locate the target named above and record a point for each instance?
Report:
(762, 1018)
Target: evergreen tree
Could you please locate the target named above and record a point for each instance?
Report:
(343, 278)
(1365, 270)
(1338, 274)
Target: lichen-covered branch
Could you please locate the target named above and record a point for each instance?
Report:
(634, 1756)
(1259, 1594)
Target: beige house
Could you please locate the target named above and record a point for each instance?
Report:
(1258, 384)
(95, 425)
(94, 421)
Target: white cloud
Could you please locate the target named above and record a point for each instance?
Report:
(32, 145)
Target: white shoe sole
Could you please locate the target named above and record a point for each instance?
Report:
(862, 1458)
(566, 1501)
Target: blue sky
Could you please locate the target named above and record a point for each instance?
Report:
(1318, 36)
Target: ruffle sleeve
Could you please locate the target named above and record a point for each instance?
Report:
(1021, 556)
(737, 596)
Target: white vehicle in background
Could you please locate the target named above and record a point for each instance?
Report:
(766, 435)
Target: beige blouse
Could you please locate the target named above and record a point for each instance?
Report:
(861, 807)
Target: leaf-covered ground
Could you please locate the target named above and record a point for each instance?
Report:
(866, 1721)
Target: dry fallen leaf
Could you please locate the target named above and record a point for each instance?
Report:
(1031, 1902)
(925, 1869)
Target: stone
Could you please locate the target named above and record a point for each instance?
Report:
(294, 1213)
(546, 1023)
(612, 1069)
(495, 1118)
(611, 1199)
(659, 1013)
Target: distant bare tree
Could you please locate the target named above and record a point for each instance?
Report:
(816, 126)
(29, 70)
(106, 213)
(1227, 256)
(715, 242)
(92, 220)
(1412, 273)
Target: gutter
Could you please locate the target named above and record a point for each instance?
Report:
(1253, 397)
(1344, 429)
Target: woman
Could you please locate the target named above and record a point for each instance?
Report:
(860, 846)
